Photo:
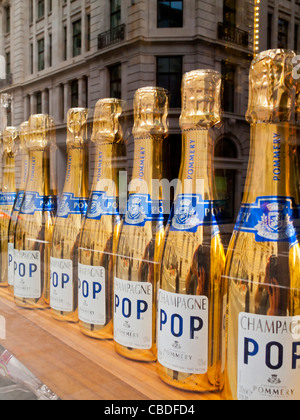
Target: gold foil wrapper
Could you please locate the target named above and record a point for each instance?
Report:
(151, 106)
(274, 89)
(41, 131)
(10, 136)
(201, 99)
(107, 126)
(24, 135)
(77, 127)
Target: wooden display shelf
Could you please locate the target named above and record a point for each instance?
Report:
(77, 367)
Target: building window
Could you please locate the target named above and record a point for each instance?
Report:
(30, 11)
(31, 59)
(296, 37)
(169, 14)
(115, 74)
(283, 33)
(169, 76)
(41, 54)
(39, 103)
(225, 180)
(49, 6)
(41, 9)
(65, 34)
(8, 64)
(229, 12)
(7, 19)
(229, 76)
(50, 50)
(77, 38)
(88, 35)
(115, 13)
(270, 31)
(74, 94)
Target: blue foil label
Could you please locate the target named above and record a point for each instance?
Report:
(19, 201)
(102, 205)
(141, 209)
(72, 205)
(34, 202)
(7, 199)
(190, 211)
(271, 219)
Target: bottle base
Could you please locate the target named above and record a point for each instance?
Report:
(186, 382)
(31, 304)
(62, 316)
(147, 356)
(97, 332)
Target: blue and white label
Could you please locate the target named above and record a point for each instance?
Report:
(27, 274)
(271, 219)
(91, 295)
(34, 202)
(10, 254)
(268, 358)
(133, 314)
(7, 199)
(141, 209)
(102, 205)
(182, 332)
(61, 285)
(71, 205)
(190, 211)
(19, 201)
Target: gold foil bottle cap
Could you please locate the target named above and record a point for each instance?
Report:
(9, 140)
(274, 91)
(40, 131)
(24, 134)
(151, 107)
(77, 127)
(201, 99)
(107, 126)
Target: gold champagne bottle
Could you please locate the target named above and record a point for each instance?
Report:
(102, 224)
(36, 220)
(142, 233)
(72, 209)
(24, 156)
(263, 262)
(190, 293)
(8, 196)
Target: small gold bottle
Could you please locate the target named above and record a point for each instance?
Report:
(190, 293)
(102, 224)
(72, 209)
(142, 233)
(24, 156)
(8, 196)
(263, 261)
(36, 220)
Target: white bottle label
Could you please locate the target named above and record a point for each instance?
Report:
(27, 267)
(133, 314)
(11, 273)
(91, 294)
(61, 285)
(268, 358)
(182, 332)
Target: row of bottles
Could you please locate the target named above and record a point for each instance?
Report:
(212, 322)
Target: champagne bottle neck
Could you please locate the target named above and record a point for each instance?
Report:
(76, 181)
(106, 171)
(273, 166)
(147, 165)
(24, 170)
(196, 166)
(8, 183)
(39, 172)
